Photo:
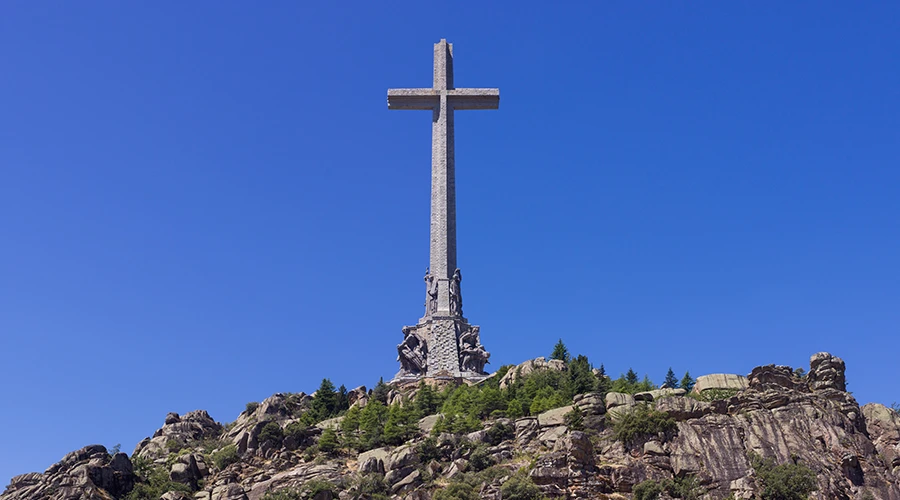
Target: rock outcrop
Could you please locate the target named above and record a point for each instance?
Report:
(86, 474)
(177, 432)
(570, 451)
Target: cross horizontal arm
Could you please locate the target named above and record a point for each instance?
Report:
(474, 98)
(413, 98)
(430, 98)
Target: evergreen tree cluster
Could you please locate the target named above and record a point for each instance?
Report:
(463, 408)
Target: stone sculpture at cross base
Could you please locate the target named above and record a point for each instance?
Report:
(442, 344)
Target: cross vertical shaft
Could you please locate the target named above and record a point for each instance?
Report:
(443, 178)
(442, 100)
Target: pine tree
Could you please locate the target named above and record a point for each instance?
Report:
(324, 403)
(687, 383)
(350, 427)
(427, 401)
(631, 377)
(371, 424)
(343, 400)
(601, 372)
(328, 442)
(671, 382)
(581, 377)
(560, 352)
(380, 392)
(514, 409)
(393, 427)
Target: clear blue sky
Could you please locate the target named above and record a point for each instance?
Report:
(204, 203)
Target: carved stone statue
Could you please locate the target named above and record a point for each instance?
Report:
(412, 352)
(431, 293)
(456, 294)
(472, 355)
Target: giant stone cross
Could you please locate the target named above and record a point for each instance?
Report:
(442, 344)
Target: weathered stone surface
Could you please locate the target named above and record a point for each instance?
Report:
(357, 395)
(526, 430)
(192, 426)
(590, 404)
(528, 367)
(374, 460)
(409, 482)
(457, 467)
(402, 457)
(614, 399)
(554, 417)
(826, 372)
(653, 448)
(683, 408)
(883, 426)
(720, 381)
(331, 423)
(426, 424)
(292, 478)
(175, 495)
(549, 435)
(658, 394)
(88, 473)
(230, 491)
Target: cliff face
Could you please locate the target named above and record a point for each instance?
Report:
(854, 452)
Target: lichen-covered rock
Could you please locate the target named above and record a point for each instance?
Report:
(177, 431)
(720, 381)
(826, 372)
(554, 417)
(616, 399)
(528, 367)
(658, 394)
(590, 404)
(86, 474)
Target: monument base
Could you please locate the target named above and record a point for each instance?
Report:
(452, 350)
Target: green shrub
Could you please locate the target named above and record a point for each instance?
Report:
(640, 423)
(714, 394)
(574, 419)
(500, 432)
(520, 487)
(173, 445)
(783, 481)
(154, 482)
(683, 487)
(316, 486)
(296, 430)
(371, 487)
(328, 441)
(225, 456)
(480, 458)
(285, 494)
(428, 450)
(251, 407)
(271, 433)
(457, 491)
(647, 490)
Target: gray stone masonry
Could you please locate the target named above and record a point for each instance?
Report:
(443, 320)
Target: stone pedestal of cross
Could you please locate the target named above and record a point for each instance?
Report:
(445, 340)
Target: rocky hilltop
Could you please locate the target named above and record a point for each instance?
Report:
(776, 433)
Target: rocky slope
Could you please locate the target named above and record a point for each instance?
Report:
(854, 451)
